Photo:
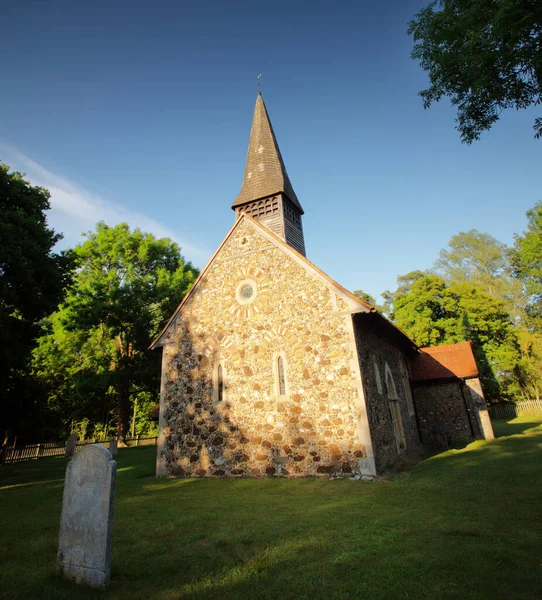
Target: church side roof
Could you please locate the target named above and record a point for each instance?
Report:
(364, 307)
(444, 362)
(265, 173)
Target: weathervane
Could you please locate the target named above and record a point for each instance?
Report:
(259, 84)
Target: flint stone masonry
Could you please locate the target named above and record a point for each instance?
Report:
(271, 368)
(453, 409)
(313, 429)
(71, 445)
(374, 352)
(442, 412)
(86, 524)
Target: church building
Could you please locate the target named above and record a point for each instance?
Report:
(271, 368)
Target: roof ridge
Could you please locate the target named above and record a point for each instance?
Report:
(369, 308)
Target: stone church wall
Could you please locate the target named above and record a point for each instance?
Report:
(374, 354)
(313, 428)
(446, 412)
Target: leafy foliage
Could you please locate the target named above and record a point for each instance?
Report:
(482, 260)
(526, 261)
(475, 257)
(95, 357)
(489, 295)
(434, 313)
(364, 296)
(32, 282)
(484, 55)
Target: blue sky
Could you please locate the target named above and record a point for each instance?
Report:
(141, 112)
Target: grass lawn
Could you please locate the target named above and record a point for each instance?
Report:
(463, 524)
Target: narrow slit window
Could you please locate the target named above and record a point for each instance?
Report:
(282, 380)
(220, 384)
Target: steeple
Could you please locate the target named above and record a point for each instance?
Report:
(267, 194)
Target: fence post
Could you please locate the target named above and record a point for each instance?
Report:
(137, 440)
(38, 450)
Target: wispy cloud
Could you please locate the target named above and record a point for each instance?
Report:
(75, 210)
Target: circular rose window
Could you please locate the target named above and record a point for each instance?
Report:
(246, 291)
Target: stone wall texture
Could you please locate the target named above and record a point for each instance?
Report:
(311, 430)
(374, 353)
(446, 410)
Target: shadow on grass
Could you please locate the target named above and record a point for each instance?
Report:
(431, 531)
(505, 427)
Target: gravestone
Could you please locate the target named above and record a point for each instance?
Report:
(86, 524)
(113, 447)
(71, 444)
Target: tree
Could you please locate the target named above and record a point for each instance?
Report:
(95, 355)
(485, 55)
(32, 283)
(526, 267)
(434, 313)
(364, 296)
(526, 261)
(475, 257)
(528, 371)
(482, 260)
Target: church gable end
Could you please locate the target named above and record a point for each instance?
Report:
(269, 367)
(258, 374)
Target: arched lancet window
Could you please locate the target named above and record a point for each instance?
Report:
(377, 376)
(395, 410)
(390, 384)
(281, 377)
(220, 384)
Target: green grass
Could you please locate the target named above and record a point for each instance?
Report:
(464, 524)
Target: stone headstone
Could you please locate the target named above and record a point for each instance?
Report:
(86, 524)
(71, 444)
(113, 447)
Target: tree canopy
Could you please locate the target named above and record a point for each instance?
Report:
(484, 55)
(364, 296)
(475, 257)
(32, 282)
(483, 292)
(95, 355)
(526, 260)
(432, 313)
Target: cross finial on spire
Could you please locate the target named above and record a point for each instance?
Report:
(259, 84)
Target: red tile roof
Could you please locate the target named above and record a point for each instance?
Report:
(444, 362)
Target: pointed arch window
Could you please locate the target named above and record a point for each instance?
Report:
(395, 410)
(220, 383)
(280, 371)
(377, 376)
(281, 376)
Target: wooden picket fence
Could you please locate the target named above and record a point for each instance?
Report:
(509, 410)
(33, 451)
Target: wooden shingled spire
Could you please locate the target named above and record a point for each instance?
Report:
(267, 194)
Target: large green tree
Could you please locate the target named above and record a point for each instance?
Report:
(482, 260)
(526, 266)
(32, 282)
(526, 261)
(484, 55)
(475, 257)
(95, 357)
(432, 312)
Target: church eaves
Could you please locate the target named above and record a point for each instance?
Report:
(265, 173)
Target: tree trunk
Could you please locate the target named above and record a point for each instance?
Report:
(134, 418)
(124, 411)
